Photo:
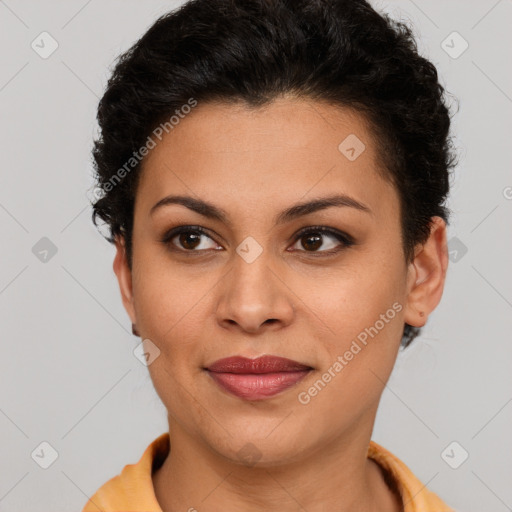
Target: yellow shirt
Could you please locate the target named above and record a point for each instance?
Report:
(132, 490)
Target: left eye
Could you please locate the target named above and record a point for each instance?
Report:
(313, 239)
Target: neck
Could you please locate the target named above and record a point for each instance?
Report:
(337, 477)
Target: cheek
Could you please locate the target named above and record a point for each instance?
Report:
(363, 308)
(365, 320)
(169, 303)
(171, 310)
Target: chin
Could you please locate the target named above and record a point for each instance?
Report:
(254, 449)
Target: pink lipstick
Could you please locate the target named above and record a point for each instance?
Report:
(256, 379)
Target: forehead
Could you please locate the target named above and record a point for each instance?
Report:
(253, 157)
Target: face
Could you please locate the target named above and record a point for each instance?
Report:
(327, 287)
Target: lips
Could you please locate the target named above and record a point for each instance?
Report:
(263, 364)
(257, 379)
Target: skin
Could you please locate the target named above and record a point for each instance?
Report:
(291, 301)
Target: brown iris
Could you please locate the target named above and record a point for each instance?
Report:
(317, 241)
(189, 240)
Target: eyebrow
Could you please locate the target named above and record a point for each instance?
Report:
(213, 212)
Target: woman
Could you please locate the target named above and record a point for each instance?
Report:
(273, 176)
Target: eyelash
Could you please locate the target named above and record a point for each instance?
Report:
(346, 240)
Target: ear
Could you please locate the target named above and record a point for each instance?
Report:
(426, 275)
(124, 277)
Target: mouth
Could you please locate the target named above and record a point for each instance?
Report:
(257, 379)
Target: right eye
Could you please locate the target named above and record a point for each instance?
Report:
(188, 239)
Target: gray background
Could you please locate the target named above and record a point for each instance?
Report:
(68, 375)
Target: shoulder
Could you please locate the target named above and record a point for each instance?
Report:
(415, 495)
(132, 489)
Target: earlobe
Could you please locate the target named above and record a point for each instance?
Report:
(124, 277)
(427, 274)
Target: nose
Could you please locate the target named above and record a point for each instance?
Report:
(253, 297)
